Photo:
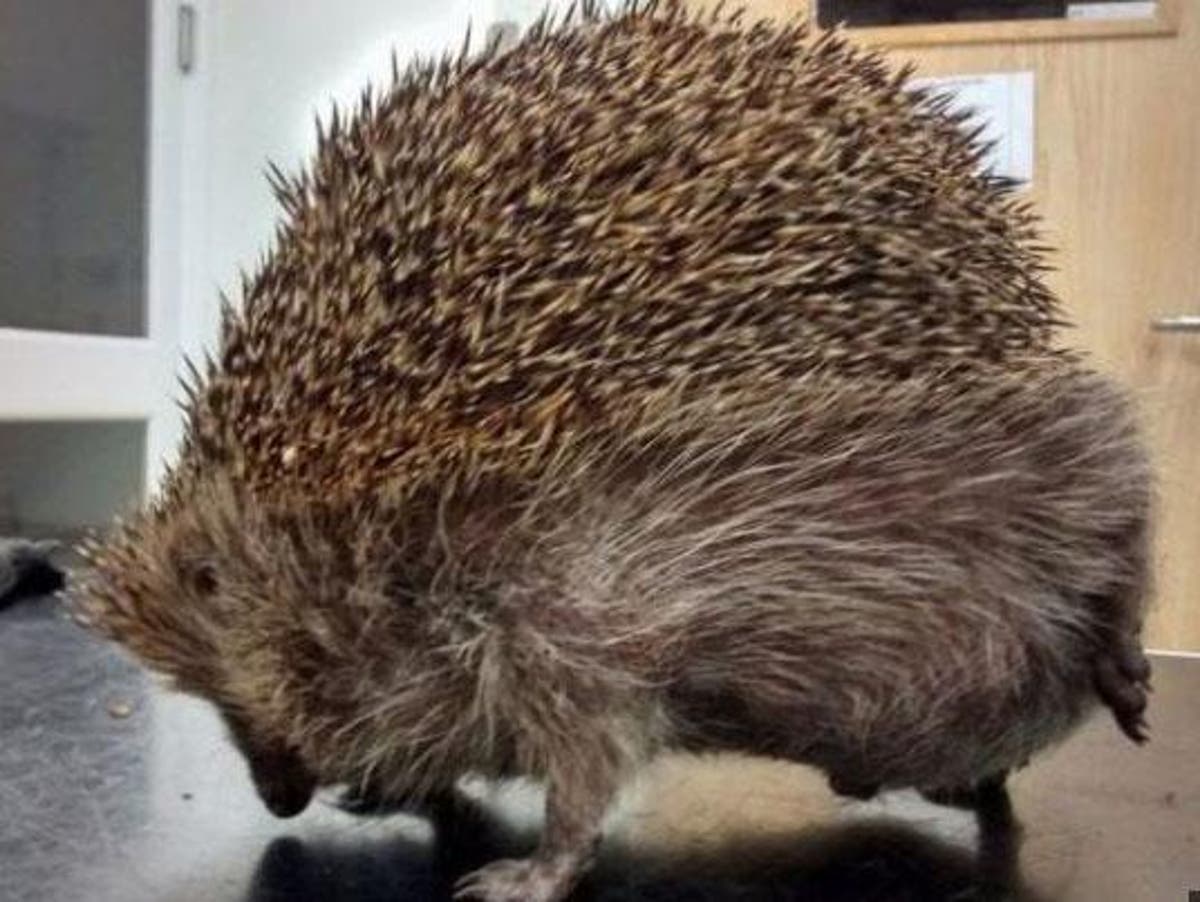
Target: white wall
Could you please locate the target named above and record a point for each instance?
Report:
(268, 67)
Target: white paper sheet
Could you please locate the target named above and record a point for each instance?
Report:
(1004, 103)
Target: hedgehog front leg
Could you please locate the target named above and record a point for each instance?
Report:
(575, 804)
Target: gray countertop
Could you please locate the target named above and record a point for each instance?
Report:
(113, 790)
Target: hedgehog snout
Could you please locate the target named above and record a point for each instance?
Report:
(282, 780)
(284, 785)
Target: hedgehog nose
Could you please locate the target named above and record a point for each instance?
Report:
(285, 800)
(283, 783)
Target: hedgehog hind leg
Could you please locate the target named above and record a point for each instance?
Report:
(1121, 677)
(986, 795)
(999, 839)
(999, 831)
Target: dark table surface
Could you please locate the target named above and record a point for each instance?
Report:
(113, 790)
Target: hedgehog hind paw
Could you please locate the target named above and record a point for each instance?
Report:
(1131, 661)
(1122, 682)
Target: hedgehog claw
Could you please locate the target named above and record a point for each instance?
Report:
(516, 880)
(1121, 682)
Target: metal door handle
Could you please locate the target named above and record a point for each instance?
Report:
(1176, 324)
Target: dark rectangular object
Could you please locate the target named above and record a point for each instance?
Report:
(913, 12)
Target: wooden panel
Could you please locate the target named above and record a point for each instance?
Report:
(756, 9)
(1118, 180)
(1118, 137)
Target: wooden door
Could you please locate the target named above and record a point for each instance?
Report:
(1117, 176)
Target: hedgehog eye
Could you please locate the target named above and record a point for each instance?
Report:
(204, 579)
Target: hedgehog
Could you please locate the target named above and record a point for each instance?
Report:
(665, 382)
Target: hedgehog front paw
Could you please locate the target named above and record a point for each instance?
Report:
(518, 880)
